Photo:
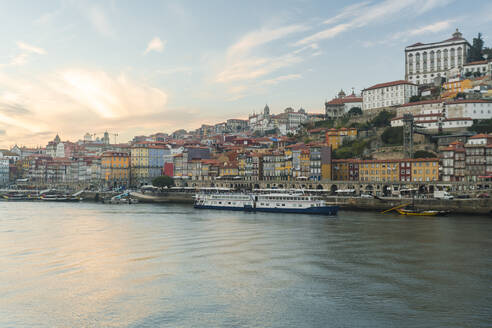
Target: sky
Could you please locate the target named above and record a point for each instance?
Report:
(141, 67)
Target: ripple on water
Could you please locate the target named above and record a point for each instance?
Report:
(173, 266)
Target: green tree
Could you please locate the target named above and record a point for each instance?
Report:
(355, 111)
(415, 98)
(475, 52)
(481, 126)
(163, 181)
(382, 119)
(392, 136)
(488, 52)
(423, 154)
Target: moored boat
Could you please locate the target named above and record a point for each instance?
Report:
(273, 202)
(417, 212)
(60, 198)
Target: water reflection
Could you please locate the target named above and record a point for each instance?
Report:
(144, 265)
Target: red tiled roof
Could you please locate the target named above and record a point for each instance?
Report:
(423, 102)
(461, 101)
(418, 115)
(389, 84)
(478, 62)
(481, 135)
(341, 101)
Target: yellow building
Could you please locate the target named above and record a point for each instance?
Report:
(425, 169)
(340, 169)
(335, 137)
(140, 163)
(379, 170)
(451, 89)
(115, 168)
(228, 170)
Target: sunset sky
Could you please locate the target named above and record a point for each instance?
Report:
(140, 67)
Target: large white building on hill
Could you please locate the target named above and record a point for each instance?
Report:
(426, 61)
(388, 94)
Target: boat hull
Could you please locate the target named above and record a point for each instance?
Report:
(422, 213)
(323, 210)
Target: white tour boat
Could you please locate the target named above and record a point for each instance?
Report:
(271, 202)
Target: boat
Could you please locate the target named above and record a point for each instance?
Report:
(411, 211)
(60, 198)
(17, 196)
(272, 202)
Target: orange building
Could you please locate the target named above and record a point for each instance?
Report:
(335, 137)
(115, 167)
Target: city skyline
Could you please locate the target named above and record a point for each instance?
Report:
(74, 67)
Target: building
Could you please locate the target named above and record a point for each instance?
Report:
(454, 114)
(115, 169)
(476, 156)
(388, 94)
(388, 170)
(453, 162)
(335, 137)
(424, 62)
(140, 163)
(477, 68)
(339, 106)
(452, 88)
(4, 171)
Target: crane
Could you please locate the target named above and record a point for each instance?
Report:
(114, 135)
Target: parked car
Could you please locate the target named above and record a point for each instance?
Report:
(463, 196)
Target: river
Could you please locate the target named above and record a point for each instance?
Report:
(94, 265)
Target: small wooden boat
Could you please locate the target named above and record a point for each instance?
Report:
(417, 212)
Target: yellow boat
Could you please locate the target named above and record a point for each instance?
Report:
(416, 212)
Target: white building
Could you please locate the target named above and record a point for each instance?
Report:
(432, 122)
(457, 114)
(484, 67)
(339, 106)
(388, 94)
(424, 62)
(4, 171)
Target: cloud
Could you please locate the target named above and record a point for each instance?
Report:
(30, 48)
(432, 28)
(174, 70)
(365, 13)
(99, 20)
(19, 60)
(255, 67)
(26, 50)
(403, 36)
(260, 37)
(155, 45)
(282, 78)
(347, 12)
(243, 64)
(78, 100)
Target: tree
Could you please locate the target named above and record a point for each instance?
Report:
(423, 154)
(477, 74)
(392, 136)
(163, 181)
(488, 52)
(355, 111)
(475, 52)
(382, 119)
(415, 98)
(481, 126)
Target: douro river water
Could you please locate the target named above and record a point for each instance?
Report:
(94, 265)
